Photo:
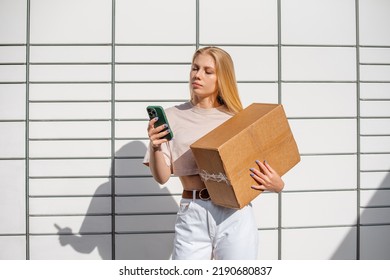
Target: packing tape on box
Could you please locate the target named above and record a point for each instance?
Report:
(220, 177)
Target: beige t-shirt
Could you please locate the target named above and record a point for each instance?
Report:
(188, 123)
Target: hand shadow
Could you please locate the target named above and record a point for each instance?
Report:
(129, 239)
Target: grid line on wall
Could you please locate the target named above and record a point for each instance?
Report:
(113, 159)
(27, 134)
(279, 46)
(358, 144)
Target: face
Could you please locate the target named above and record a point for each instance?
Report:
(203, 76)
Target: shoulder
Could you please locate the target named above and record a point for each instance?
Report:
(179, 109)
(178, 113)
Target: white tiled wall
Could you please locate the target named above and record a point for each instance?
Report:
(76, 76)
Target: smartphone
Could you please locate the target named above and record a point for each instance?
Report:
(158, 111)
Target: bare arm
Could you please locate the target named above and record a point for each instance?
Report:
(159, 168)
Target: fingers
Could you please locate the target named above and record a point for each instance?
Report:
(269, 167)
(259, 188)
(65, 230)
(151, 128)
(267, 178)
(157, 132)
(263, 176)
(152, 122)
(157, 139)
(264, 167)
(259, 177)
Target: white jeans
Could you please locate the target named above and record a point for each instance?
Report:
(204, 230)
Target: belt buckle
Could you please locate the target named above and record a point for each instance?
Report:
(205, 196)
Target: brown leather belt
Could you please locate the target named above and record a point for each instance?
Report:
(203, 194)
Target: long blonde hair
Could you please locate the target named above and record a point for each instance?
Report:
(227, 84)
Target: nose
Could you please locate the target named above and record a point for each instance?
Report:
(197, 74)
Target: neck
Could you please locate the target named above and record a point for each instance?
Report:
(206, 102)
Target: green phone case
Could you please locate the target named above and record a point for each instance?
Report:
(158, 111)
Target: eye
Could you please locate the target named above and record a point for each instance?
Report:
(209, 70)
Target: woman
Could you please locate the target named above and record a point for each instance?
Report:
(204, 230)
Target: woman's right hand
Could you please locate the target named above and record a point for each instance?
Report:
(156, 134)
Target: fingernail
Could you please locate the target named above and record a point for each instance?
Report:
(165, 125)
(252, 174)
(257, 161)
(156, 118)
(265, 161)
(252, 169)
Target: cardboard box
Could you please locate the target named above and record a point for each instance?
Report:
(225, 155)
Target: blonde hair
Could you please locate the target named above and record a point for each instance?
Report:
(227, 84)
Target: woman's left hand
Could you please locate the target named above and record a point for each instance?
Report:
(267, 178)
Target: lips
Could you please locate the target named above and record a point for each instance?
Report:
(196, 85)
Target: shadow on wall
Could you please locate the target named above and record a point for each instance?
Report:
(374, 238)
(132, 241)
